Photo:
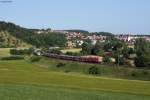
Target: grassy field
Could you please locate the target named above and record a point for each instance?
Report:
(71, 50)
(23, 80)
(4, 52)
(20, 76)
(29, 92)
(104, 70)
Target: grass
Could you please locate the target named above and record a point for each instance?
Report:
(4, 52)
(29, 92)
(105, 70)
(23, 72)
(71, 50)
(23, 80)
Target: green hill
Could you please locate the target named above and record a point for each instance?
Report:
(31, 37)
(79, 31)
(22, 80)
(9, 41)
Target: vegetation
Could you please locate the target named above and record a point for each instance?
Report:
(74, 50)
(45, 79)
(106, 59)
(8, 41)
(26, 74)
(29, 36)
(13, 58)
(21, 51)
(4, 52)
(112, 71)
(103, 33)
(86, 48)
(142, 48)
(94, 70)
(27, 92)
(79, 31)
(35, 58)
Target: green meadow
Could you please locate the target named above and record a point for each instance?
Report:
(4, 52)
(23, 80)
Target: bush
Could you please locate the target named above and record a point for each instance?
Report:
(94, 70)
(13, 58)
(60, 65)
(120, 60)
(145, 72)
(21, 51)
(35, 58)
(106, 59)
(55, 51)
(134, 73)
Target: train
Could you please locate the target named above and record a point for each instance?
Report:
(87, 59)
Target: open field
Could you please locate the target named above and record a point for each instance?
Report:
(4, 52)
(30, 92)
(71, 50)
(23, 79)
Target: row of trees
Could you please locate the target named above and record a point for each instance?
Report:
(142, 49)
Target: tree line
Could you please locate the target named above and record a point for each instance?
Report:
(140, 53)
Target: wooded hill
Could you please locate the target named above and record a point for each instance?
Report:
(9, 41)
(29, 36)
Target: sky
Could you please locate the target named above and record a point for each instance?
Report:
(116, 16)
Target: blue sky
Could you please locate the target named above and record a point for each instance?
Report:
(116, 16)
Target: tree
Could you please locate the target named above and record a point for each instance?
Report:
(106, 59)
(125, 52)
(98, 49)
(142, 48)
(113, 45)
(86, 48)
(120, 60)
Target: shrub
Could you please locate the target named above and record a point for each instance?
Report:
(21, 51)
(55, 51)
(13, 58)
(120, 60)
(145, 72)
(106, 59)
(60, 65)
(94, 70)
(134, 73)
(35, 58)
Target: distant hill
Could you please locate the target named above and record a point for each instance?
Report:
(103, 33)
(78, 31)
(7, 40)
(31, 37)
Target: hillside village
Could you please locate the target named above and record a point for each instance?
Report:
(79, 37)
